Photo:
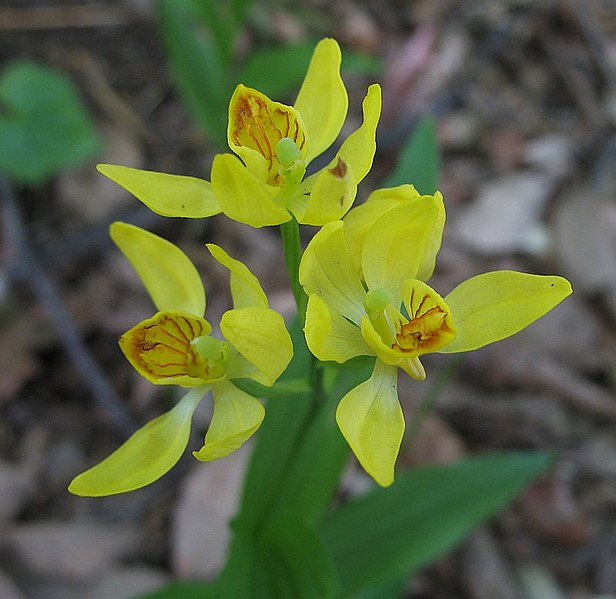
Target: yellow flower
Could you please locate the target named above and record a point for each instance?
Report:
(263, 184)
(175, 346)
(379, 305)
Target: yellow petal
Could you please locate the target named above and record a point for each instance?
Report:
(162, 350)
(496, 305)
(394, 248)
(322, 100)
(330, 336)
(245, 287)
(331, 196)
(359, 148)
(166, 271)
(168, 195)
(360, 219)
(242, 197)
(237, 416)
(434, 239)
(371, 420)
(151, 452)
(256, 125)
(327, 269)
(260, 335)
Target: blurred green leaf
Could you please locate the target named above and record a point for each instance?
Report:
(277, 70)
(419, 162)
(184, 589)
(224, 20)
(198, 56)
(394, 589)
(289, 561)
(278, 438)
(280, 70)
(284, 388)
(392, 531)
(314, 473)
(44, 126)
(363, 64)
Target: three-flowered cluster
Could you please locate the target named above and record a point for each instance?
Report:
(365, 273)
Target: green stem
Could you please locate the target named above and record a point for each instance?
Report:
(292, 248)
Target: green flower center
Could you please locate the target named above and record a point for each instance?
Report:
(209, 358)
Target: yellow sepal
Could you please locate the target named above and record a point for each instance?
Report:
(236, 417)
(246, 290)
(167, 195)
(151, 452)
(496, 305)
(322, 100)
(170, 277)
(371, 420)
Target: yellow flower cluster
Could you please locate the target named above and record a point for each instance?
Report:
(365, 274)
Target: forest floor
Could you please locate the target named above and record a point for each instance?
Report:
(524, 94)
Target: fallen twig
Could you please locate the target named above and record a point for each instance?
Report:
(23, 265)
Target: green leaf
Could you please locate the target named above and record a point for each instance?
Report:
(282, 561)
(277, 70)
(281, 389)
(223, 19)
(394, 589)
(198, 57)
(299, 563)
(419, 161)
(362, 64)
(314, 474)
(392, 531)
(279, 435)
(44, 126)
(184, 589)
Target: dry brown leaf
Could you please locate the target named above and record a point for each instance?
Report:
(70, 550)
(200, 532)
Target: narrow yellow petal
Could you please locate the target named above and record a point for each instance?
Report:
(331, 196)
(359, 148)
(167, 195)
(242, 197)
(394, 248)
(170, 277)
(371, 420)
(496, 305)
(330, 336)
(434, 239)
(260, 335)
(256, 125)
(245, 287)
(151, 452)
(322, 100)
(327, 269)
(237, 416)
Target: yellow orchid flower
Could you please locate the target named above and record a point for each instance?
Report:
(263, 184)
(381, 306)
(175, 346)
